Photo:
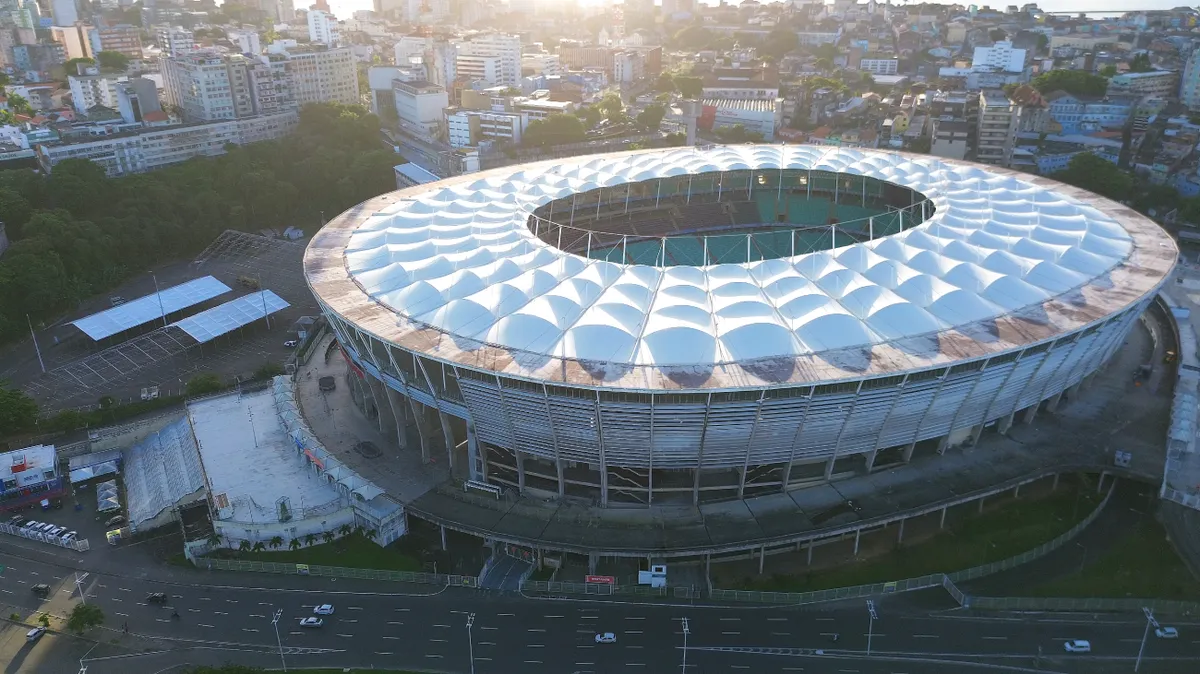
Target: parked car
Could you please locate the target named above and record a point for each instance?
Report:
(114, 521)
(17, 521)
(324, 609)
(292, 343)
(41, 590)
(1078, 646)
(606, 638)
(35, 634)
(69, 536)
(31, 524)
(1166, 633)
(311, 622)
(156, 598)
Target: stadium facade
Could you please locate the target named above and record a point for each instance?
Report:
(690, 325)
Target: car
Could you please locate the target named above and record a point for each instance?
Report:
(16, 521)
(35, 634)
(41, 590)
(46, 528)
(606, 638)
(56, 531)
(292, 343)
(69, 536)
(311, 622)
(156, 598)
(31, 524)
(1166, 633)
(114, 521)
(324, 609)
(1078, 646)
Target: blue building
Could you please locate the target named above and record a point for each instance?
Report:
(29, 475)
(1089, 114)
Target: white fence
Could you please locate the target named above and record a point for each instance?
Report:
(76, 545)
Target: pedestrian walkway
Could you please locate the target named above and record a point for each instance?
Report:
(505, 574)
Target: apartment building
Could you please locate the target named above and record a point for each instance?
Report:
(322, 75)
(208, 86)
(123, 39)
(506, 48)
(480, 68)
(419, 106)
(996, 132)
(879, 66)
(94, 88)
(471, 127)
(150, 149)
(74, 40)
(175, 40)
(628, 66)
(1162, 83)
(578, 57)
(323, 28)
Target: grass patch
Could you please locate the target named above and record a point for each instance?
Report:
(1142, 565)
(354, 551)
(543, 573)
(1013, 528)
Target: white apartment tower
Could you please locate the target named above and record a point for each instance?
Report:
(208, 86)
(175, 40)
(64, 12)
(323, 75)
(323, 28)
(506, 48)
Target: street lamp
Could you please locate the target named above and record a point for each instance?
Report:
(871, 623)
(79, 586)
(1149, 621)
(161, 311)
(275, 624)
(686, 632)
(470, 641)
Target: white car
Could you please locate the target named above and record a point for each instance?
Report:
(1078, 646)
(35, 634)
(324, 609)
(311, 622)
(1166, 633)
(606, 638)
(292, 343)
(69, 536)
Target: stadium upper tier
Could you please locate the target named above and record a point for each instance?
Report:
(498, 271)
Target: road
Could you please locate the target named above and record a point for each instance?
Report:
(385, 626)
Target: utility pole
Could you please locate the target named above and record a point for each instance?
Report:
(36, 348)
(79, 586)
(1149, 621)
(161, 311)
(275, 624)
(470, 641)
(871, 623)
(686, 632)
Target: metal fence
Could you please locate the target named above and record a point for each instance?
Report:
(609, 589)
(76, 545)
(336, 572)
(832, 594)
(1081, 604)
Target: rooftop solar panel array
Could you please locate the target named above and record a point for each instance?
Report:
(224, 318)
(146, 309)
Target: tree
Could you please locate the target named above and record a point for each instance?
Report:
(590, 116)
(327, 536)
(664, 83)
(1043, 42)
(113, 60)
(997, 35)
(84, 617)
(294, 544)
(71, 67)
(1107, 71)
(44, 620)
(18, 412)
(611, 104)
(689, 87)
(244, 546)
(651, 117)
(1140, 63)
(779, 43)
(345, 529)
(737, 134)
(693, 38)
(556, 129)
(309, 539)
(204, 383)
(1075, 82)
(1098, 175)
(823, 65)
(276, 542)
(258, 546)
(214, 539)
(19, 104)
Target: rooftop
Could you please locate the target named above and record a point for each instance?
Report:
(27, 465)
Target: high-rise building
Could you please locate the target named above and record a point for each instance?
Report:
(123, 38)
(1189, 84)
(175, 40)
(419, 106)
(506, 48)
(248, 41)
(65, 12)
(485, 68)
(323, 28)
(207, 86)
(94, 88)
(137, 101)
(74, 39)
(321, 75)
(996, 135)
(439, 57)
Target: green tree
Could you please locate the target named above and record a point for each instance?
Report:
(694, 38)
(258, 546)
(345, 529)
(204, 383)
(113, 60)
(997, 35)
(309, 539)
(689, 87)
(651, 117)
(611, 104)
(1107, 71)
(779, 43)
(14, 212)
(244, 546)
(1096, 174)
(738, 134)
(19, 104)
(84, 617)
(1043, 42)
(1075, 82)
(556, 129)
(1140, 63)
(18, 412)
(664, 83)
(71, 67)
(276, 542)
(294, 544)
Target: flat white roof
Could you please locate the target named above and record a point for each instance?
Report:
(145, 309)
(416, 174)
(227, 317)
(251, 462)
(26, 463)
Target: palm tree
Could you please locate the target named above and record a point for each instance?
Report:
(310, 539)
(259, 546)
(327, 536)
(214, 539)
(345, 529)
(276, 542)
(295, 544)
(19, 104)
(244, 546)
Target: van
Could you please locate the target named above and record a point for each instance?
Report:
(1078, 646)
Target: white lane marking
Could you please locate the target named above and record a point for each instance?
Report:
(123, 614)
(391, 653)
(781, 634)
(392, 638)
(264, 603)
(255, 615)
(583, 631)
(432, 656)
(162, 620)
(295, 632)
(729, 619)
(353, 608)
(249, 629)
(778, 620)
(210, 599)
(232, 601)
(124, 589)
(346, 635)
(628, 646)
(730, 633)
(507, 615)
(219, 613)
(394, 622)
(824, 620)
(403, 609)
(484, 659)
(114, 599)
(535, 645)
(346, 620)
(489, 628)
(554, 616)
(535, 629)
(635, 617)
(194, 610)
(925, 636)
(443, 626)
(438, 641)
(633, 631)
(533, 662)
(203, 625)
(635, 664)
(589, 617)
(1006, 638)
(487, 643)
(585, 663)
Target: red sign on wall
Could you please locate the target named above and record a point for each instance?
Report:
(600, 579)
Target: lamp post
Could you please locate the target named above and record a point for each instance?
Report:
(1149, 621)
(161, 311)
(871, 623)
(470, 641)
(275, 624)
(686, 632)
(79, 586)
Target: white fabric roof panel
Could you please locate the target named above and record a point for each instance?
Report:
(210, 324)
(145, 309)
(460, 258)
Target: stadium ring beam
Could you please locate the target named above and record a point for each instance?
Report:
(688, 325)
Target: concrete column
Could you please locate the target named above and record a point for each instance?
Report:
(473, 458)
(562, 481)
(448, 434)
(1100, 483)
(762, 555)
(384, 416)
(593, 558)
(1004, 424)
(708, 568)
(396, 403)
(857, 536)
(900, 536)
(943, 444)
(829, 467)
(423, 434)
(869, 458)
(810, 547)
(1054, 484)
(443, 527)
(520, 458)
(981, 503)
(1029, 413)
(976, 431)
(1052, 404)
(1073, 391)
(1017, 491)
(908, 451)
(942, 521)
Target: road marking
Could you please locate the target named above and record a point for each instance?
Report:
(730, 633)
(203, 625)
(585, 645)
(827, 634)
(628, 646)
(194, 610)
(781, 634)
(403, 609)
(346, 635)
(124, 589)
(394, 622)
(393, 638)
(535, 645)
(303, 633)
(391, 653)
(232, 601)
(33, 573)
(123, 614)
(249, 629)
(589, 617)
(438, 641)
(255, 615)
(583, 631)
(10, 591)
(585, 663)
(489, 628)
(799, 669)
(635, 664)
(432, 656)
(114, 599)
(507, 615)
(487, 643)
(997, 638)
(633, 631)
(925, 636)
(210, 599)
(730, 619)
(441, 626)
(848, 671)
(162, 620)
(778, 620)
(219, 613)
(535, 629)
(484, 659)
(739, 666)
(346, 620)
(635, 617)
(533, 662)
(264, 603)
(554, 616)
(825, 620)
(353, 608)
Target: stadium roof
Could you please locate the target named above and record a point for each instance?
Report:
(452, 270)
(231, 315)
(146, 309)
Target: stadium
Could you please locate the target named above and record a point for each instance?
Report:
(692, 325)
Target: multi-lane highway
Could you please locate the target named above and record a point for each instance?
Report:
(388, 625)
